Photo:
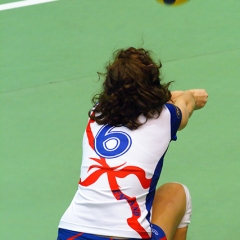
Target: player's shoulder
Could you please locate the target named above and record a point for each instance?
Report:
(174, 110)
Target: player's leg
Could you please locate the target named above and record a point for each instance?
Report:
(180, 234)
(172, 210)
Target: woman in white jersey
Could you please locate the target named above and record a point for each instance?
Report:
(128, 133)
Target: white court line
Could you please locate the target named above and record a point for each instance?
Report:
(25, 3)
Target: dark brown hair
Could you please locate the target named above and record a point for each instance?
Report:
(132, 87)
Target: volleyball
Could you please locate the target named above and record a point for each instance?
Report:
(172, 2)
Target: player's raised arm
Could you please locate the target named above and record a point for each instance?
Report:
(200, 97)
(188, 101)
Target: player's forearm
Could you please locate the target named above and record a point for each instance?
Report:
(186, 98)
(175, 95)
(200, 96)
(186, 103)
(190, 101)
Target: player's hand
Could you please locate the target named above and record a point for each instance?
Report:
(200, 96)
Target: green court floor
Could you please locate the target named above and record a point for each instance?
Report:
(50, 55)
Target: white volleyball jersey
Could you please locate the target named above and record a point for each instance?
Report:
(119, 173)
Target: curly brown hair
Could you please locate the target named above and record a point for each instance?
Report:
(132, 87)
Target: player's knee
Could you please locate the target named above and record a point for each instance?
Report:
(176, 192)
(172, 196)
(187, 215)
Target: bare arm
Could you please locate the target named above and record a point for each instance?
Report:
(200, 96)
(175, 95)
(188, 101)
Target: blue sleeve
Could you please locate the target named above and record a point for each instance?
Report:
(176, 118)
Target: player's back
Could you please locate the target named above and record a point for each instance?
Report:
(119, 173)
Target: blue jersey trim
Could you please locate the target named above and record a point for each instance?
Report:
(176, 118)
(152, 189)
(65, 234)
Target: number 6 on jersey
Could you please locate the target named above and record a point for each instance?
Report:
(111, 144)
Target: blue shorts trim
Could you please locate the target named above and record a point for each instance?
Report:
(64, 234)
(157, 233)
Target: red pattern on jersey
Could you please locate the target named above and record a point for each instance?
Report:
(112, 174)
